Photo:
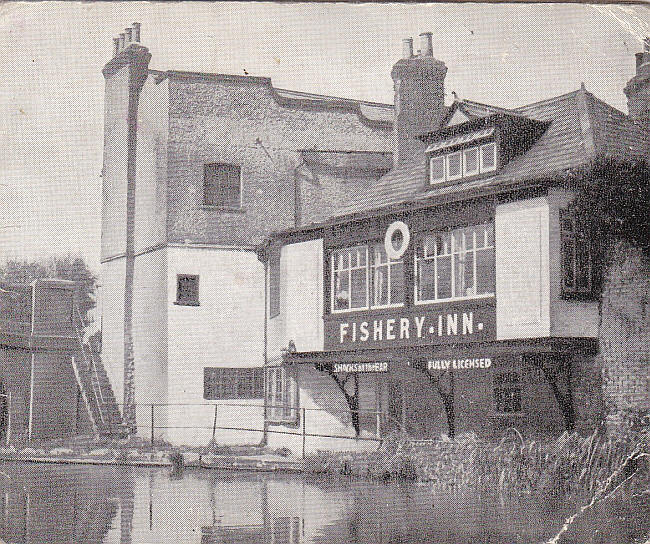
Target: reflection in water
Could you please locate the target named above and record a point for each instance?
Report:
(120, 505)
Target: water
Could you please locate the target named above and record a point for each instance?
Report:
(90, 504)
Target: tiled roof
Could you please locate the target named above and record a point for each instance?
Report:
(581, 126)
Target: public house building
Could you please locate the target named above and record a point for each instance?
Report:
(328, 271)
(459, 292)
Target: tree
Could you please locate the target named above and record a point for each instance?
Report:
(64, 268)
(613, 197)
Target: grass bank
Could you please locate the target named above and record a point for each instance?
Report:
(571, 464)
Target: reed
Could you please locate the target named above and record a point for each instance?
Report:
(569, 464)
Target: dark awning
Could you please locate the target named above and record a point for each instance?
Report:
(567, 346)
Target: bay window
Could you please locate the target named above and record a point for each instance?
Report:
(364, 277)
(455, 264)
(488, 157)
(350, 277)
(470, 162)
(454, 166)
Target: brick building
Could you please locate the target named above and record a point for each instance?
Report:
(198, 170)
(412, 266)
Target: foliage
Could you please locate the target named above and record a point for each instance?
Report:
(568, 465)
(613, 196)
(65, 268)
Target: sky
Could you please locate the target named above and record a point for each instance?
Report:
(51, 86)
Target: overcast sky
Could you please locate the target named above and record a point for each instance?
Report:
(51, 86)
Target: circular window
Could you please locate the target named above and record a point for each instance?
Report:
(397, 239)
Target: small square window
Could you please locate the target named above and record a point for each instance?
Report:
(470, 161)
(454, 166)
(222, 185)
(436, 170)
(507, 392)
(187, 290)
(488, 157)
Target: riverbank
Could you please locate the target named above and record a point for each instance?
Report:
(569, 465)
(136, 452)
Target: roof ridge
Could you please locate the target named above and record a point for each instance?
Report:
(487, 106)
(609, 106)
(547, 100)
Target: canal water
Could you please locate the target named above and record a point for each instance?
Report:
(89, 504)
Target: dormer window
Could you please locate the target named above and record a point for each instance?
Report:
(464, 163)
(488, 157)
(437, 169)
(470, 162)
(462, 156)
(454, 166)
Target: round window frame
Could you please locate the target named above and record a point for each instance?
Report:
(396, 226)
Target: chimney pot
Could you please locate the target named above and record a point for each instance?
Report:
(122, 41)
(116, 46)
(426, 44)
(128, 35)
(136, 32)
(407, 48)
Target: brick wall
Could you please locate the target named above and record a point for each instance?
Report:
(221, 119)
(625, 336)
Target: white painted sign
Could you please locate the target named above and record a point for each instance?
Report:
(459, 364)
(360, 367)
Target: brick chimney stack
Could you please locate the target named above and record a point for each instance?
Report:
(419, 96)
(637, 89)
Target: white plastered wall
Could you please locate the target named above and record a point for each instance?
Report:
(301, 320)
(150, 339)
(225, 330)
(301, 294)
(522, 269)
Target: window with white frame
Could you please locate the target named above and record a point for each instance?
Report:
(464, 163)
(454, 165)
(470, 162)
(281, 396)
(364, 277)
(488, 157)
(437, 169)
(350, 278)
(455, 264)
